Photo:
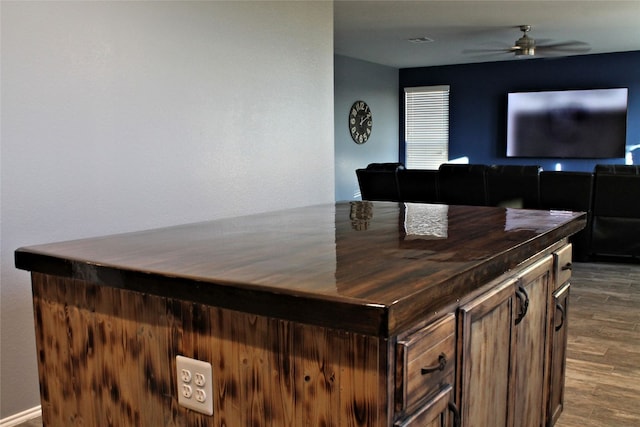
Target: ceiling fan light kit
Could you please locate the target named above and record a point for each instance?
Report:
(525, 45)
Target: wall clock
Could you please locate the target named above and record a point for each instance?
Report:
(360, 122)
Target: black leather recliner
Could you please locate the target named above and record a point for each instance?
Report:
(418, 185)
(379, 182)
(461, 184)
(513, 186)
(570, 191)
(616, 210)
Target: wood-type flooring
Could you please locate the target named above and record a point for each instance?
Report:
(603, 354)
(602, 386)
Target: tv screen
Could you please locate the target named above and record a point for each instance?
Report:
(567, 124)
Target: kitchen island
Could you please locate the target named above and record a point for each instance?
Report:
(353, 314)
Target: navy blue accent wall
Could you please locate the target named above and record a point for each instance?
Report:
(478, 100)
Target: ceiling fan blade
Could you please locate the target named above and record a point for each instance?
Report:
(494, 51)
(490, 48)
(573, 44)
(546, 50)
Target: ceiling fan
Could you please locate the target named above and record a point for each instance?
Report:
(527, 46)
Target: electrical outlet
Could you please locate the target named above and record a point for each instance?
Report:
(187, 391)
(195, 384)
(199, 380)
(185, 375)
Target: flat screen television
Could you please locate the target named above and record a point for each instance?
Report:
(567, 123)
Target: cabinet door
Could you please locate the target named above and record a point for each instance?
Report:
(531, 325)
(558, 353)
(437, 412)
(503, 351)
(485, 352)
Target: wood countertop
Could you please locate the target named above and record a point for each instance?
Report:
(366, 267)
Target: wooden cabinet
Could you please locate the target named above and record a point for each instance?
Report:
(503, 351)
(309, 318)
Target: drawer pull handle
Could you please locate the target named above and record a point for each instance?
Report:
(456, 414)
(561, 310)
(522, 295)
(442, 362)
(566, 267)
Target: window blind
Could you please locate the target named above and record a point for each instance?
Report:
(426, 126)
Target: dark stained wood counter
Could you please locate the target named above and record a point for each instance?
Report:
(366, 267)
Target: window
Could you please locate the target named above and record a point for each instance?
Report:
(426, 126)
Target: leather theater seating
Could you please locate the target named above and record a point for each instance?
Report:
(610, 196)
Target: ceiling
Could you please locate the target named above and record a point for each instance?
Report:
(378, 31)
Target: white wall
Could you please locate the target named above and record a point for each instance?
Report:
(377, 85)
(119, 116)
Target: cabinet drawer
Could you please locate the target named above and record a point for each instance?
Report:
(563, 265)
(434, 413)
(425, 362)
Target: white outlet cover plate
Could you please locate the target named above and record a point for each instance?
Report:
(201, 370)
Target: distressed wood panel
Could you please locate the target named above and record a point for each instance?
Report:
(602, 363)
(107, 358)
(532, 345)
(486, 348)
(434, 413)
(560, 307)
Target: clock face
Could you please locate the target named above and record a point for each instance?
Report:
(360, 122)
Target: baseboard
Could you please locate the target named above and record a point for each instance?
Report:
(21, 417)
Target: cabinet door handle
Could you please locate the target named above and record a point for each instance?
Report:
(522, 295)
(560, 308)
(456, 414)
(442, 362)
(566, 267)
